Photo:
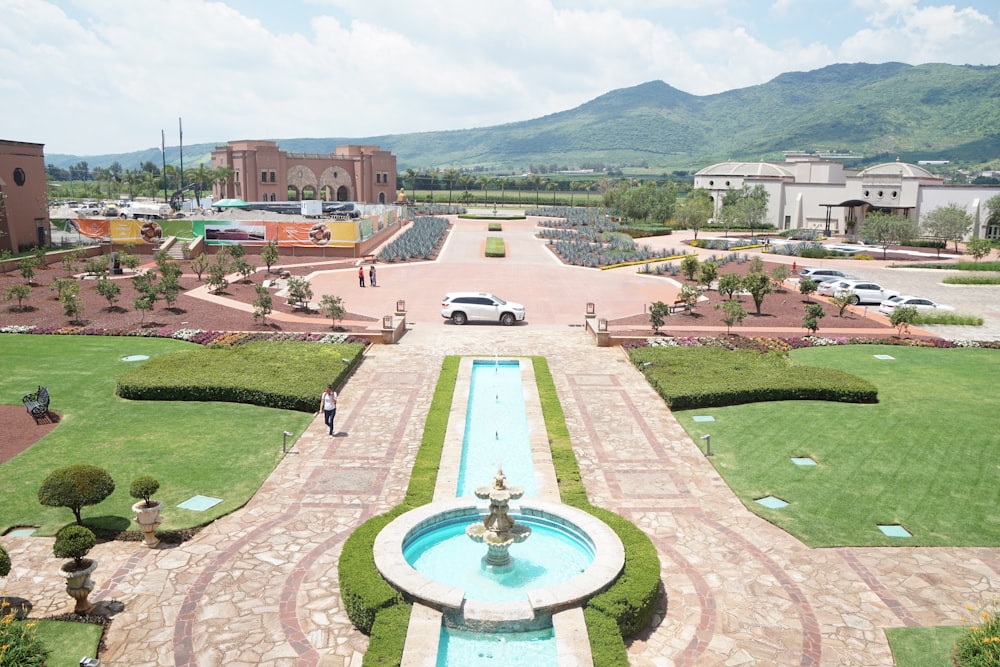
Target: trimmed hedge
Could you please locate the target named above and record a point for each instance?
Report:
(494, 227)
(387, 642)
(287, 376)
(364, 592)
(495, 247)
(704, 377)
(606, 646)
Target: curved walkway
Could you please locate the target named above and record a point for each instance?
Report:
(259, 587)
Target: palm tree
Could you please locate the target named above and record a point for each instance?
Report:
(484, 184)
(503, 183)
(221, 175)
(552, 185)
(537, 180)
(450, 175)
(412, 175)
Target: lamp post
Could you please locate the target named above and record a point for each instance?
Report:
(284, 441)
(708, 444)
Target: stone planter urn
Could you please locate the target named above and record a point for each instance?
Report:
(79, 584)
(149, 519)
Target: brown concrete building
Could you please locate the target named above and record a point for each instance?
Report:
(261, 172)
(24, 209)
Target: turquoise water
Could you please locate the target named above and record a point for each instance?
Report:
(551, 555)
(496, 430)
(482, 649)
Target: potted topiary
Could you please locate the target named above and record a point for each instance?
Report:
(4, 562)
(76, 542)
(147, 511)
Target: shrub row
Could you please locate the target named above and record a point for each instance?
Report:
(703, 377)
(287, 376)
(494, 227)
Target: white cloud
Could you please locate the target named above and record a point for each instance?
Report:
(93, 76)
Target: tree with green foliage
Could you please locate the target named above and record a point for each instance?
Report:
(217, 281)
(979, 248)
(76, 486)
(199, 264)
(758, 286)
(902, 317)
(69, 297)
(842, 300)
(299, 293)
(756, 265)
(4, 562)
(244, 268)
(744, 208)
(993, 206)
(74, 542)
(263, 303)
(946, 223)
(733, 313)
(689, 297)
(333, 307)
(236, 251)
(69, 262)
(730, 284)
(658, 311)
(689, 266)
(807, 286)
(169, 288)
(695, 211)
(109, 290)
(27, 265)
(778, 276)
(20, 292)
(143, 488)
(707, 273)
(4, 256)
(885, 229)
(96, 266)
(128, 260)
(269, 254)
(814, 312)
(144, 303)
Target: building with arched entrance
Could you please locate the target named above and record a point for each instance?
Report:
(808, 192)
(259, 171)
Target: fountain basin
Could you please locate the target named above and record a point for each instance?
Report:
(533, 606)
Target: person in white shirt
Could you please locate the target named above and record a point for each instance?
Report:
(329, 406)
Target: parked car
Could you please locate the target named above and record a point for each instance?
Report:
(462, 307)
(821, 274)
(862, 291)
(920, 303)
(826, 287)
(88, 209)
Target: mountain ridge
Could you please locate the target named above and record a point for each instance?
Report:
(870, 109)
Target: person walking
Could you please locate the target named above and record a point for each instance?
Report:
(328, 404)
(371, 275)
(361, 276)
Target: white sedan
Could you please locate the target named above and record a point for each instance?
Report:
(862, 291)
(827, 287)
(921, 304)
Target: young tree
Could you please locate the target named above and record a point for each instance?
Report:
(885, 230)
(75, 487)
(657, 312)
(244, 268)
(69, 262)
(69, 297)
(236, 251)
(269, 254)
(707, 273)
(169, 288)
(756, 265)
(842, 301)
(19, 292)
(689, 266)
(4, 256)
(144, 303)
(733, 313)
(979, 248)
(263, 303)
(299, 293)
(689, 297)
(947, 223)
(902, 318)
(807, 286)
(129, 261)
(778, 276)
(332, 307)
(96, 266)
(814, 312)
(695, 211)
(199, 264)
(27, 265)
(109, 290)
(730, 284)
(758, 286)
(745, 208)
(74, 542)
(217, 278)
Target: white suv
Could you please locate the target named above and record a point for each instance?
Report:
(820, 275)
(462, 307)
(862, 291)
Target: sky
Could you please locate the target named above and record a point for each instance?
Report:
(92, 77)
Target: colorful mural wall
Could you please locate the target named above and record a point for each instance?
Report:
(314, 233)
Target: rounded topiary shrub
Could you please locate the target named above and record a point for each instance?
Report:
(142, 488)
(76, 486)
(74, 542)
(4, 562)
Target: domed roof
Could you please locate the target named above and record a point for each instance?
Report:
(897, 169)
(746, 169)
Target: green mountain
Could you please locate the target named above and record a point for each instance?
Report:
(933, 112)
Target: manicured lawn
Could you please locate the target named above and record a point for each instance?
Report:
(923, 647)
(927, 456)
(222, 450)
(68, 641)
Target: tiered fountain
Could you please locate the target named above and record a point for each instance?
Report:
(498, 530)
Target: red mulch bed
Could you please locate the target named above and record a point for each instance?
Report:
(20, 430)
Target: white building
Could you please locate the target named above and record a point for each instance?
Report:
(806, 192)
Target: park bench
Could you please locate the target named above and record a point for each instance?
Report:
(678, 306)
(37, 404)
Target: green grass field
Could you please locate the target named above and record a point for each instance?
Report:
(927, 456)
(222, 450)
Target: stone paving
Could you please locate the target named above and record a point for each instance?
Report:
(259, 587)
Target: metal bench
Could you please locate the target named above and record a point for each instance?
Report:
(37, 404)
